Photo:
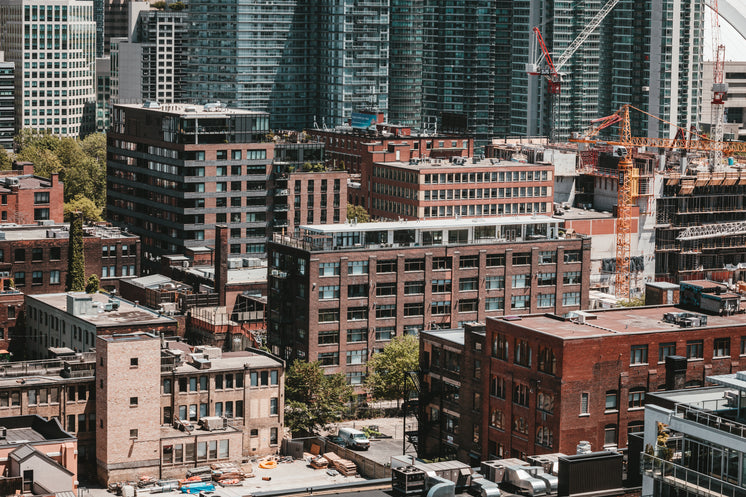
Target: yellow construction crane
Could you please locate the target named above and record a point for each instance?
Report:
(623, 150)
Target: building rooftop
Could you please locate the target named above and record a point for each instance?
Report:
(31, 429)
(625, 320)
(212, 110)
(231, 361)
(23, 182)
(12, 231)
(574, 213)
(93, 309)
(430, 224)
(462, 164)
(663, 285)
(455, 335)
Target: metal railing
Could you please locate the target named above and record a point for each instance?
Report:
(693, 482)
(707, 417)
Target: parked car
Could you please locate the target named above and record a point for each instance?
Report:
(195, 488)
(336, 439)
(353, 438)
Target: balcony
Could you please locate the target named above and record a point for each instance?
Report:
(690, 481)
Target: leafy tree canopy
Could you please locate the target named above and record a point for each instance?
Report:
(357, 212)
(6, 160)
(389, 367)
(313, 399)
(92, 285)
(87, 207)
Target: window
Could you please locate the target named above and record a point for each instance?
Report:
(694, 349)
(442, 263)
(41, 214)
(19, 255)
(520, 425)
(41, 197)
(357, 335)
(547, 257)
(386, 332)
(547, 360)
(572, 256)
(522, 259)
(571, 278)
(495, 260)
(37, 278)
(357, 267)
(500, 347)
(414, 309)
(273, 406)
(497, 386)
(743, 346)
(54, 277)
(37, 254)
(610, 435)
(167, 387)
(414, 265)
(584, 398)
(520, 280)
(546, 300)
(468, 261)
(329, 269)
(544, 436)
(329, 292)
(388, 266)
(386, 289)
(133, 401)
(385, 311)
(55, 253)
(134, 361)
(546, 279)
(440, 308)
(133, 433)
(193, 384)
(520, 302)
(612, 400)
(441, 286)
(520, 394)
(328, 337)
(272, 436)
(522, 353)
(545, 402)
(328, 358)
(494, 303)
(665, 350)
(355, 357)
(638, 354)
(328, 315)
(19, 277)
(497, 419)
(468, 284)
(721, 347)
(570, 299)
(636, 398)
(413, 287)
(468, 305)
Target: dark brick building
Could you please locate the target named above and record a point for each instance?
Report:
(551, 382)
(35, 257)
(337, 293)
(451, 393)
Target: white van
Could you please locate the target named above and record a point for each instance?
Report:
(353, 438)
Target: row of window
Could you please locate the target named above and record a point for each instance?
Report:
(445, 263)
(221, 381)
(477, 193)
(486, 209)
(487, 177)
(721, 347)
(37, 254)
(200, 451)
(523, 353)
(354, 358)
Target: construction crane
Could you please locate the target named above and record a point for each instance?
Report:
(719, 88)
(623, 150)
(552, 70)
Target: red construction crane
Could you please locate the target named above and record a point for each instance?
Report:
(719, 88)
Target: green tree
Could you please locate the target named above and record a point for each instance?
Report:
(176, 6)
(6, 161)
(75, 256)
(45, 161)
(38, 138)
(313, 399)
(86, 178)
(357, 212)
(92, 285)
(87, 208)
(388, 368)
(94, 146)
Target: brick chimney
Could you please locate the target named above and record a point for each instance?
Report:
(675, 372)
(221, 261)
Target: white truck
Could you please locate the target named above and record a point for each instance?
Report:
(354, 439)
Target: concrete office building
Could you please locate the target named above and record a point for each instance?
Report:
(339, 292)
(52, 44)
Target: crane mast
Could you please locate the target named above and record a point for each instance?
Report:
(719, 88)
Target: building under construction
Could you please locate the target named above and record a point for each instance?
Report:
(701, 225)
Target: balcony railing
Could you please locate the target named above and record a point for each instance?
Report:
(713, 417)
(681, 477)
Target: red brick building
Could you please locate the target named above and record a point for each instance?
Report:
(458, 187)
(27, 199)
(35, 257)
(356, 150)
(337, 293)
(11, 306)
(551, 382)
